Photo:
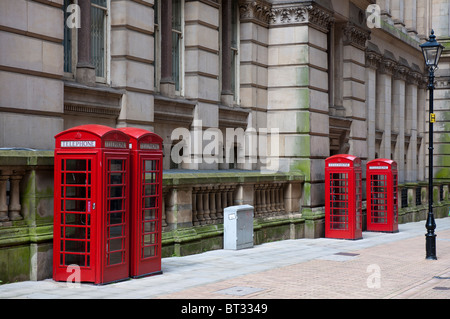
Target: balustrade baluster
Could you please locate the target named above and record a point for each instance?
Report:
(194, 208)
(206, 211)
(264, 199)
(219, 212)
(3, 203)
(257, 200)
(14, 199)
(163, 210)
(200, 214)
(212, 205)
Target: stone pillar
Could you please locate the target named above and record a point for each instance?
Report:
(354, 97)
(397, 11)
(411, 127)
(421, 131)
(372, 64)
(4, 177)
(202, 67)
(226, 93)
(384, 103)
(167, 84)
(410, 15)
(397, 124)
(254, 63)
(422, 14)
(206, 208)
(15, 207)
(132, 59)
(85, 73)
(385, 7)
(298, 102)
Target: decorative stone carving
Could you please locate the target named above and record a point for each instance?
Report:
(263, 13)
(373, 60)
(356, 36)
(256, 11)
(288, 15)
(320, 18)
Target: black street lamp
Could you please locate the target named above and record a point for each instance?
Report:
(431, 52)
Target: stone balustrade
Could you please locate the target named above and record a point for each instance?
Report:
(10, 207)
(196, 199)
(192, 209)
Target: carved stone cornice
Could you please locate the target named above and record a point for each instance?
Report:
(266, 14)
(388, 63)
(373, 56)
(373, 60)
(288, 15)
(355, 36)
(257, 11)
(414, 77)
(320, 18)
(401, 72)
(387, 66)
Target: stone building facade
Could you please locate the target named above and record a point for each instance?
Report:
(250, 97)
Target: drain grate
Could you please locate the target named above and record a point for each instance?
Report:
(346, 254)
(441, 288)
(439, 277)
(239, 291)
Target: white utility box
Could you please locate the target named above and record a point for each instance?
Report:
(238, 227)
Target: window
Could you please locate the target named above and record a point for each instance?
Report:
(99, 37)
(98, 33)
(157, 45)
(69, 38)
(177, 43)
(169, 56)
(235, 50)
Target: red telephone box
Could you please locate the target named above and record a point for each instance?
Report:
(382, 197)
(91, 205)
(146, 202)
(343, 197)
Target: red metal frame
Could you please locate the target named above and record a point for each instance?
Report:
(84, 202)
(343, 197)
(382, 195)
(146, 202)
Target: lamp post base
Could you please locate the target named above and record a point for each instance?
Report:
(431, 246)
(430, 237)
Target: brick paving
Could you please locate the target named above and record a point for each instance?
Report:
(379, 266)
(403, 273)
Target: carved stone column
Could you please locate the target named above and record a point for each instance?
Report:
(163, 208)
(85, 69)
(200, 217)
(257, 200)
(194, 208)
(3, 205)
(219, 205)
(212, 205)
(14, 203)
(206, 210)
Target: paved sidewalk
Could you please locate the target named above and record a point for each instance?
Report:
(381, 265)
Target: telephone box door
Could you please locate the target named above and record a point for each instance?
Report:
(149, 216)
(75, 204)
(382, 203)
(343, 197)
(116, 218)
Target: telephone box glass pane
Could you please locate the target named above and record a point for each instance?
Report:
(116, 205)
(358, 193)
(395, 199)
(339, 201)
(150, 205)
(378, 199)
(75, 207)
